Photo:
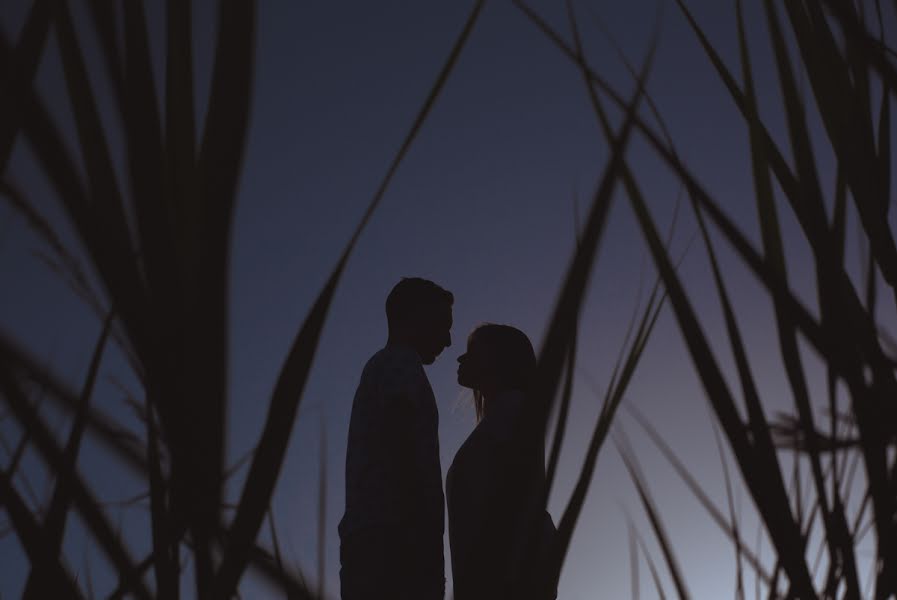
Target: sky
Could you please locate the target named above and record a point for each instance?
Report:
(486, 205)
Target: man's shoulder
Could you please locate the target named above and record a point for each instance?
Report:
(394, 367)
(394, 358)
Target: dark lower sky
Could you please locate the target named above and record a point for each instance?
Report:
(485, 204)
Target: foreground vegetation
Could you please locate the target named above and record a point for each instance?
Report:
(160, 288)
(841, 49)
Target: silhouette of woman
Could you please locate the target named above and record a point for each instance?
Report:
(495, 484)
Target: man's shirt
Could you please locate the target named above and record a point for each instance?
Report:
(393, 474)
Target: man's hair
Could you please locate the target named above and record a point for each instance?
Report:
(412, 294)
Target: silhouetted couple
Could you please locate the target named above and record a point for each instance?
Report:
(391, 536)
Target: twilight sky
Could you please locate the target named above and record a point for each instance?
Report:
(485, 205)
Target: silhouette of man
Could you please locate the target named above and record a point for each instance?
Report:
(391, 533)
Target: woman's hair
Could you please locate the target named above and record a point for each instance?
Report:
(511, 357)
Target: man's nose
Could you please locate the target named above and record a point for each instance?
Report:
(448, 340)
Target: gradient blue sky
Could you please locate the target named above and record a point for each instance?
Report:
(484, 204)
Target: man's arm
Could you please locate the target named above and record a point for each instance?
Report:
(427, 473)
(410, 410)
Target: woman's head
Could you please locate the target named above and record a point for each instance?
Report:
(498, 358)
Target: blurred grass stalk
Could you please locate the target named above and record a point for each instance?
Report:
(852, 81)
(157, 256)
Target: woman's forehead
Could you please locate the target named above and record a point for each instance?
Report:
(475, 338)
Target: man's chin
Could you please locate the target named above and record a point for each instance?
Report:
(428, 360)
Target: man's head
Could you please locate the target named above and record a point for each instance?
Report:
(419, 313)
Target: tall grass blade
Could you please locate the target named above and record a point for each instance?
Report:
(807, 323)
(563, 413)
(776, 160)
(322, 512)
(638, 479)
(88, 576)
(103, 18)
(612, 400)
(633, 562)
(115, 268)
(771, 501)
(56, 582)
(166, 548)
(180, 126)
(757, 422)
(563, 325)
(269, 568)
(206, 230)
(807, 204)
(124, 447)
(773, 247)
(69, 266)
(848, 122)
(649, 100)
(874, 50)
(652, 567)
(105, 215)
(143, 133)
(18, 72)
(278, 555)
(83, 499)
(756, 572)
(121, 444)
(685, 475)
(851, 131)
(103, 189)
(733, 519)
(884, 153)
(16, 456)
(60, 503)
